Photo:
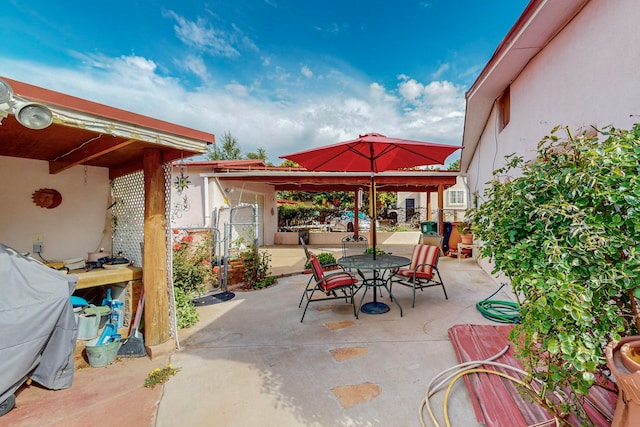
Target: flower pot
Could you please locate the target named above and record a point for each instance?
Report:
(630, 355)
(619, 356)
(466, 239)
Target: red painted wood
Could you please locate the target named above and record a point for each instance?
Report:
(499, 402)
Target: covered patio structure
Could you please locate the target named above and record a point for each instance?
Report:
(78, 138)
(299, 179)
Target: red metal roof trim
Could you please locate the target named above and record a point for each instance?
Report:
(78, 104)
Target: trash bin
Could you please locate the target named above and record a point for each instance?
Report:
(429, 227)
(304, 236)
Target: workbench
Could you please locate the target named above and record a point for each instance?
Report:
(125, 284)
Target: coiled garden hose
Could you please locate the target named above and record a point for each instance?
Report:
(499, 311)
(449, 376)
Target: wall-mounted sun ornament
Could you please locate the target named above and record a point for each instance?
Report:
(47, 198)
(181, 182)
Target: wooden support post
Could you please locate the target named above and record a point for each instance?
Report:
(154, 267)
(441, 208)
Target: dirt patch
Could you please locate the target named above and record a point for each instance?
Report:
(351, 395)
(346, 353)
(339, 325)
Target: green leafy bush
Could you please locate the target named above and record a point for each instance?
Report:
(256, 268)
(191, 273)
(564, 228)
(325, 259)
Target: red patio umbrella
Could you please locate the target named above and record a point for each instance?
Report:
(373, 153)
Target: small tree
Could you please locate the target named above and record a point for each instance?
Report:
(228, 150)
(564, 228)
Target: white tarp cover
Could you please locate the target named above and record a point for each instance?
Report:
(37, 327)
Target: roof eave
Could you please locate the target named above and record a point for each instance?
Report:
(540, 22)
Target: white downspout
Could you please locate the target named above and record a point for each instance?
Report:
(207, 216)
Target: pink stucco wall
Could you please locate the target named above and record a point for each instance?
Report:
(587, 75)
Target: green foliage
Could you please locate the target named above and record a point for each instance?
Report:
(160, 376)
(464, 227)
(300, 215)
(227, 149)
(256, 268)
(378, 251)
(191, 273)
(564, 228)
(186, 313)
(325, 259)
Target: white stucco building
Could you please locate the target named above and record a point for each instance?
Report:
(565, 62)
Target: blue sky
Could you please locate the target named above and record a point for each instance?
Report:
(285, 75)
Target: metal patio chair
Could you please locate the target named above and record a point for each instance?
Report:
(334, 285)
(308, 288)
(422, 272)
(355, 245)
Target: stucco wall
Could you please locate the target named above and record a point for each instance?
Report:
(586, 76)
(77, 226)
(221, 194)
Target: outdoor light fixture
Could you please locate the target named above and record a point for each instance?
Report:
(29, 114)
(5, 92)
(33, 116)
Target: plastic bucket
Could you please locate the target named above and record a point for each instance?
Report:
(101, 355)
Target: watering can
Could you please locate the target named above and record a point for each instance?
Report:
(88, 324)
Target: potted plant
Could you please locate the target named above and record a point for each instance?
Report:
(464, 229)
(564, 228)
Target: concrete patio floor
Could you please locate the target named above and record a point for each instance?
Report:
(250, 362)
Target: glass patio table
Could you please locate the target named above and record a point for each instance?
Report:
(380, 266)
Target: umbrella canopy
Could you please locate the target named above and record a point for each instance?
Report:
(373, 153)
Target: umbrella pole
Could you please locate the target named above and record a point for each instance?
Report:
(373, 200)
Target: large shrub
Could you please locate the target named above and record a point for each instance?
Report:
(564, 228)
(191, 273)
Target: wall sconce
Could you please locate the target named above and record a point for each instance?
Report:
(29, 114)
(5, 92)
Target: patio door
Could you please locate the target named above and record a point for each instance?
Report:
(410, 209)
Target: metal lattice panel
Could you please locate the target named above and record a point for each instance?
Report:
(128, 216)
(128, 226)
(172, 297)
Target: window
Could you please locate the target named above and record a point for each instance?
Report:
(410, 209)
(456, 197)
(504, 109)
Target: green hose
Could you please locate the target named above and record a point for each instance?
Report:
(499, 311)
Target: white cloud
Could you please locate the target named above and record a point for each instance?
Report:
(195, 65)
(440, 71)
(411, 89)
(281, 119)
(201, 36)
(306, 72)
(237, 89)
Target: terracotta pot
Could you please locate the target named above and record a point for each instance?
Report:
(627, 413)
(630, 355)
(466, 239)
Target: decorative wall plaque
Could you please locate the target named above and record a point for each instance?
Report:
(47, 198)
